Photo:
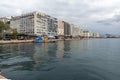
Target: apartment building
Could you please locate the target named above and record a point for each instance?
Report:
(75, 30)
(67, 29)
(35, 23)
(60, 31)
(81, 33)
(15, 23)
(38, 24)
(86, 34)
(96, 35)
(52, 26)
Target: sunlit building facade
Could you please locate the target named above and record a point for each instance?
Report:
(60, 30)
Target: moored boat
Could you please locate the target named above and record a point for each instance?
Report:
(44, 40)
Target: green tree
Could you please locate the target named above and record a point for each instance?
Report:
(4, 26)
(1, 26)
(14, 34)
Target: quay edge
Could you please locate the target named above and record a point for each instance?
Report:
(14, 41)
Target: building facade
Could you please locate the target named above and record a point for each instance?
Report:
(86, 34)
(15, 23)
(35, 23)
(67, 29)
(75, 30)
(60, 30)
(52, 26)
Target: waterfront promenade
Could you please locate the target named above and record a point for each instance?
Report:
(23, 41)
(14, 41)
(29, 41)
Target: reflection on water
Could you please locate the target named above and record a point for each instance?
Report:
(36, 55)
(40, 56)
(94, 59)
(60, 49)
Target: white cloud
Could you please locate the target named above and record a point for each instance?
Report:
(74, 11)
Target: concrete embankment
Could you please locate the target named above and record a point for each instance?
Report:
(23, 41)
(14, 41)
(30, 41)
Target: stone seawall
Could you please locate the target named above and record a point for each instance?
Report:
(30, 41)
(15, 41)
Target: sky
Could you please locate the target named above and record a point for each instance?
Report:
(101, 16)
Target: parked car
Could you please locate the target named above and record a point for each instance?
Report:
(51, 37)
(6, 38)
(21, 39)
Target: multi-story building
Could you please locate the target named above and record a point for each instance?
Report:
(35, 23)
(86, 34)
(96, 35)
(38, 24)
(67, 29)
(60, 31)
(52, 26)
(81, 33)
(75, 30)
(15, 23)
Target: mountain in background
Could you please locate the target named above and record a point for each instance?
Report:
(112, 36)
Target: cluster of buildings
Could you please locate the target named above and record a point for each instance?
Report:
(39, 24)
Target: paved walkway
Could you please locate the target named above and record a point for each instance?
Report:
(15, 41)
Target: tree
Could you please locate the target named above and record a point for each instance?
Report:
(14, 34)
(3, 26)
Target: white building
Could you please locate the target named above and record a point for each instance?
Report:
(96, 35)
(75, 30)
(52, 26)
(15, 23)
(86, 34)
(35, 23)
(60, 28)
